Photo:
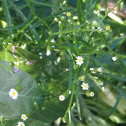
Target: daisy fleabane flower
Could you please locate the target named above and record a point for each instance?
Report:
(84, 86)
(81, 78)
(13, 93)
(100, 69)
(79, 60)
(68, 14)
(114, 59)
(20, 124)
(24, 117)
(61, 97)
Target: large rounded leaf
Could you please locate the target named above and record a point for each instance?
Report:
(28, 92)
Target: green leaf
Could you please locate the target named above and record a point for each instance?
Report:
(24, 60)
(52, 108)
(29, 93)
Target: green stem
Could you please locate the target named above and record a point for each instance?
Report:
(7, 16)
(10, 39)
(33, 12)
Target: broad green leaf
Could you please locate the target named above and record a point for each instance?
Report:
(38, 123)
(28, 92)
(52, 108)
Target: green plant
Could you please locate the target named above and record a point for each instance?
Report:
(61, 59)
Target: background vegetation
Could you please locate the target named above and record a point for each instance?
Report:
(39, 43)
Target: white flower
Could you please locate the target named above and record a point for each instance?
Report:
(48, 52)
(114, 59)
(91, 69)
(79, 60)
(103, 89)
(24, 117)
(56, 19)
(92, 94)
(40, 57)
(64, 2)
(100, 69)
(81, 78)
(84, 86)
(13, 93)
(75, 17)
(61, 97)
(20, 124)
(69, 92)
(68, 14)
(108, 27)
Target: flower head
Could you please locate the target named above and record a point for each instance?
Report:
(24, 117)
(61, 97)
(68, 14)
(48, 52)
(84, 86)
(79, 60)
(91, 69)
(114, 59)
(13, 93)
(108, 27)
(100, 69)
(81, 78)
(92, 94)
(20, 124)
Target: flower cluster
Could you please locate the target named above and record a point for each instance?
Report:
(14, 95)
(24, 118)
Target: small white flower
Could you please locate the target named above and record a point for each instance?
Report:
(91, 69)
(99, 28)
(108, 27)
(20, 124)
(64, 2)
(13, 93)
(59, 22)
(96, 78)
(69, 92)
(68, 14)
(114, 59)
(40, 53)
(24, 117)
(56, 19)
(48, 52)
(75, 17)
(61, 97)
(103, 89)
(100, 69)
(92, 94)
(40, 57)
(81, 78)
(100, 83)
(53, 40)
(84, 86)
(79, 60)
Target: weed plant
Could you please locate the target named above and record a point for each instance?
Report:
(62, 63)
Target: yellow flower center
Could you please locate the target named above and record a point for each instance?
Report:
(13, 93)
(82, 78)
(24, 117)
(85, 86)
(79, 60)
(108, 27)
(68, 14)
